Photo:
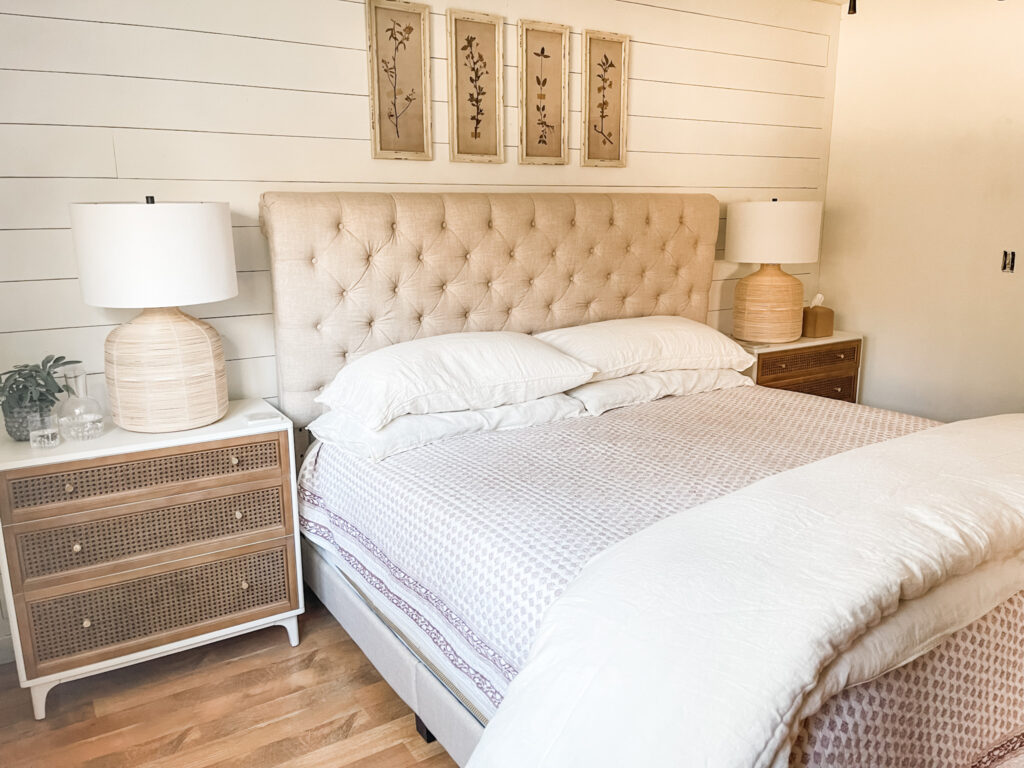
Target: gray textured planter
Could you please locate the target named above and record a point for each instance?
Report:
(16, 419)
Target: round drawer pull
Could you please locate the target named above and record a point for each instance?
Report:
(68, 488)
(842, 356)
(76, 547)
(87, 623)
(238, 514)
(234, 461)
(244, 585)
(782, 365)
(839, 390)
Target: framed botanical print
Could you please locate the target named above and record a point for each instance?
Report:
(605, 80)
(398, 59)
(543, 93)
(475, 77)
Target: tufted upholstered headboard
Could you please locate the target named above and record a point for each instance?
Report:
(355, 271)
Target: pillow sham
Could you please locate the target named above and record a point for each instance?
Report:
(600, 396)
(415, 430)
(452, 372)
(642, 344)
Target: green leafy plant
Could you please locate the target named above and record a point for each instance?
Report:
(34, 384)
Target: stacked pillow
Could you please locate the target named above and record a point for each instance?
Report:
(417, 392)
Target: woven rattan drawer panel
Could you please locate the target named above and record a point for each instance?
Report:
(124, 477)
(55, 550)
(835, 387)
(80, 622)
(803, 360)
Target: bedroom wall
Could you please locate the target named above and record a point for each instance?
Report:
(925, 191)
(189, 100)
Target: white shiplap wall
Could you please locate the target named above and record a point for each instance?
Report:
(197, 100)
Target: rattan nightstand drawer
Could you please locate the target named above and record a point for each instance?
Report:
(835, 387)
(87, 485)
(83, 627)
(798, 362)
(70, 543)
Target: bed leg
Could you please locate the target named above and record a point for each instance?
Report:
(424, 732)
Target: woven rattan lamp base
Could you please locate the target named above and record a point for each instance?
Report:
(768, 306)
(165, 372)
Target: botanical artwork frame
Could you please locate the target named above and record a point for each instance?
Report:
(398, 66)
(543, 135)
(476, 107)
(605, 86)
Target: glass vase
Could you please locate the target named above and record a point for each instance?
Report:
(42, 429)
(80, 416)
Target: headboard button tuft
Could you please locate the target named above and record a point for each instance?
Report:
(313, 260)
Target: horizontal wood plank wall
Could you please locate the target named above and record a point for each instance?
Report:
(196, 100)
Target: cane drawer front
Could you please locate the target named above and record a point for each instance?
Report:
(60, 489)
(130, 532)
(835, 387)
(91, 625)
(776, 366)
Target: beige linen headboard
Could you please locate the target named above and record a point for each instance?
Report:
(356, 271)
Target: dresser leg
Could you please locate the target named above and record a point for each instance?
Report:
(38, 693)
(291, 626)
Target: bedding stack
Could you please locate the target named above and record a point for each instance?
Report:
(462, 530)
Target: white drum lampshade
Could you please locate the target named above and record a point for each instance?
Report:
(768, 306)
(164, 369)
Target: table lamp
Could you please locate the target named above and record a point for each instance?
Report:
(768, 306)
(164, 369)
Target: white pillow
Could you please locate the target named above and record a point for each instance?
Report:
(601, 396)
(453, 372)
(414, 431)
(641, 344)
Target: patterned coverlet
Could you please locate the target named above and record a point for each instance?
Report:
(462, 545)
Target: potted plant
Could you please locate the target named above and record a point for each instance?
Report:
(28, 389)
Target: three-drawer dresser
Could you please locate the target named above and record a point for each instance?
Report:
(131, 546)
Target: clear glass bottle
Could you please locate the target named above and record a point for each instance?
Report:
(80, 416)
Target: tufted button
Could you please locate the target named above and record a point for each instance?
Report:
(313, 260)
(394, 225)
(488, 283)
(340, 225)
(319, 326)
(647, 221)
(444, 225)
(444, 286)
(572, 223)
(320, 388)
(511, 254)
(611, 222)
(369, 323)
(572, 278)
(591, 251)
(551, 307)
(609, 276)
(369, 258)
(490, 225)
(419, 319)
(419, 256)
(553, 254)
(533, 223)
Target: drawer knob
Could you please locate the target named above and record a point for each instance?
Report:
(839, 390)
(76, 547)
(68, 488)
(244, 585)
(782, 365)
(86, 623)
(238, 515)
(234, 461)
(842, 356)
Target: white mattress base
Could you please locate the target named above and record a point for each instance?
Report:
(455, 727)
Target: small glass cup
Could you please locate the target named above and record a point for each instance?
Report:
(42, 430)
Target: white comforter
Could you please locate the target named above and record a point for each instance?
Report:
(704, 639)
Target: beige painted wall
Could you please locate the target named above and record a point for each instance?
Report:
(925, 190)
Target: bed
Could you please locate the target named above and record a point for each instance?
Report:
(441, 562)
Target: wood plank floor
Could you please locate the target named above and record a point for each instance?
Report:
(246, 702)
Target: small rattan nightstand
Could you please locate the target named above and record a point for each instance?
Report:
(132, 546)
(828, 366)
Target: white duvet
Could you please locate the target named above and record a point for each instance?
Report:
(704, 639)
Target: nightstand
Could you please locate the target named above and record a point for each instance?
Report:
(131, 546)
(827, 367)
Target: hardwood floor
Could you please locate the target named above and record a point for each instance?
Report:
(247, 702)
